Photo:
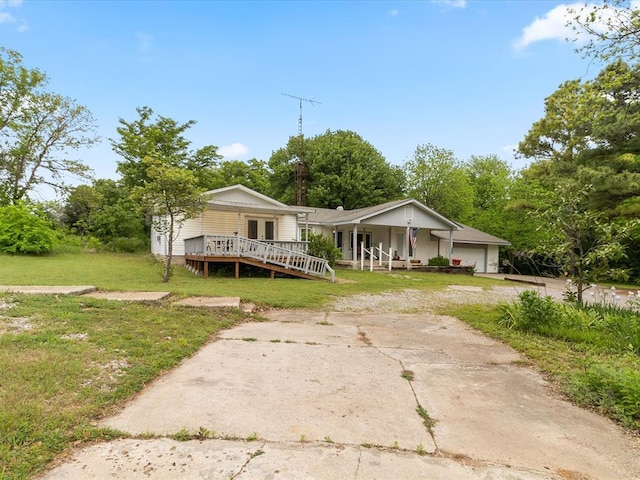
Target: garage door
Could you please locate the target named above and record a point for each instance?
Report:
(471, 255)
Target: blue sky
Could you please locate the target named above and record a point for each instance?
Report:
(469, 76)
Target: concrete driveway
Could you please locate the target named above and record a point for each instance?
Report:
(337, 395)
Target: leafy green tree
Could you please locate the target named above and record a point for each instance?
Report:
(37, 131)
(582, 242)
(437, 178)
(343, 170)
(106, 210)
(163, 140)
(611, 29)
(589, 136)
(253, 174)
(24, 229)
(173, 196)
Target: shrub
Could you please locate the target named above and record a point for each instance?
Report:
(322, 247)
(128, 245)
(438, 261)
(24, 229)
(531, 313)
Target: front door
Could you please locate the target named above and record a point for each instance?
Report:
(261, 229)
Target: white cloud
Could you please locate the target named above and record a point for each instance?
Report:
(553, 25)
(234, 150)
(10, 3)
(452, 3)
(393, 13)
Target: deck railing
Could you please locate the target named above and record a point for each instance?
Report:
(267, 252)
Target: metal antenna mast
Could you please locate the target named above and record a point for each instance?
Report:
(300, 169)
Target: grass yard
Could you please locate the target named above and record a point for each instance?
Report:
(113, 272)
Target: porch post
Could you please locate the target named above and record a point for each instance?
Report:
(450, 246)
(306, 227)
(354, 255)
(407, 244)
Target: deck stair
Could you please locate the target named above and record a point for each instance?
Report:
(282, 257)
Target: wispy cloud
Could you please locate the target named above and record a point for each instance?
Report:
(393, 13)
(553, 25)
(452, 3)
(7, 17)
(234, 150)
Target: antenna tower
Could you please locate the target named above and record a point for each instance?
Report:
(301, 172)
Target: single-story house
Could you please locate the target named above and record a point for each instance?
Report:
(236, 210)
(411, 230)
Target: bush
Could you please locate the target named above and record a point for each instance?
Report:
(532, 313)
(322, 247)
(24, 229)
(438, 261)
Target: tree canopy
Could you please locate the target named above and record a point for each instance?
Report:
(343, 170)
(37, 131)
(163, 140)
(439, 180)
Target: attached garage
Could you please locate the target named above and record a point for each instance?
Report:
(472, 247)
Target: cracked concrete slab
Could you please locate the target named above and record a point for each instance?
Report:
(210, 302)
(48, 289)
(149, 297)
(164, 459)
(349, 393)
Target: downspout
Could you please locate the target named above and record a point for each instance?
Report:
(450, 246)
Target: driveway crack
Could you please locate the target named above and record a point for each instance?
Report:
(253, 455)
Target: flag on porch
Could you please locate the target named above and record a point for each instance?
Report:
(413, 236)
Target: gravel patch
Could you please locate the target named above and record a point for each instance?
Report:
(414, 301)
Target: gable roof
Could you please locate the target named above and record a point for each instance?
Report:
(470, 235)
(239, 197)
(327, 216)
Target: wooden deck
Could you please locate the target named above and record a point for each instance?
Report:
(200, 263)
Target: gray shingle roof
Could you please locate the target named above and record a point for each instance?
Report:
(470, 235)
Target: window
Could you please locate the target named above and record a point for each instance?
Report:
(339, 239)
(268, 230)
(252, 227)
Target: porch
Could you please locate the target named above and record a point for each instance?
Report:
(285, 257)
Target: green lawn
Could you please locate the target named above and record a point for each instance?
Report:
(143, 273)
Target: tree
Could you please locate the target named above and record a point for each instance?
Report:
(589, 136)
(611, 29)
(163, 140)
(253, 174)
(173, 196)
(343, 170)
(108, 211)
(37, 129)
(582, 242)
(437, 178)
